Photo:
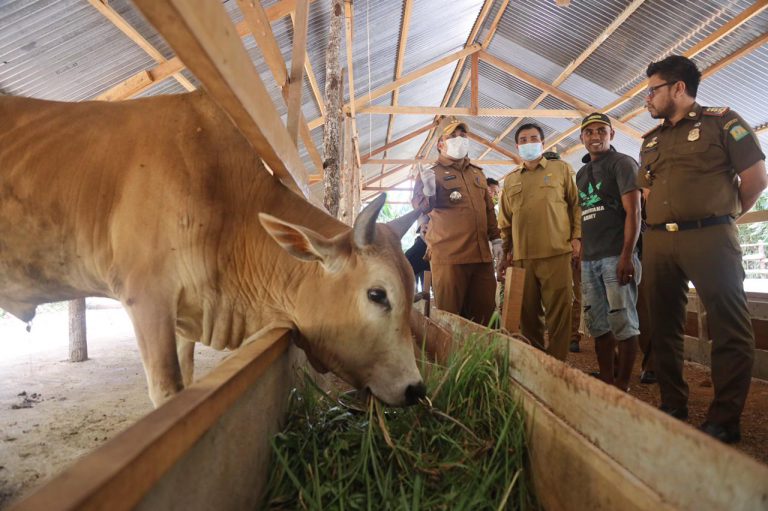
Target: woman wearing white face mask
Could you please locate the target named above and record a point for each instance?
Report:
(463, 221)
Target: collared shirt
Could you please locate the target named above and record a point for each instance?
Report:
(462, 218)
(540, 212)
(691, 168)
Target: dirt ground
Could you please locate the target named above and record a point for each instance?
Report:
(754, 421)
(53, 411)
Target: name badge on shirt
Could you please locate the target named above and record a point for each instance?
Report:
(448, 178)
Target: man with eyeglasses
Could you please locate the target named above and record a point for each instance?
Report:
(610, 268)
(699, 169)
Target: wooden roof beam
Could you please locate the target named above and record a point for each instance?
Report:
(403, 40)
(128, 88)
(491, 146)
(365, 99)
(118, 21)
(413, 161)
(257, 23)
(571, 68)
(467, 111)
(298, 56)
(219, 59)
(746, 15)
(415, 133)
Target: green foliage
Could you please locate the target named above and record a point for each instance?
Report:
(464, 450)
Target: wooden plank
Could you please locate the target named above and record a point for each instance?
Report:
(474, 105)
(513, 156)
(465, 111)
(512, 307)
(727, 28)
(365, 99)
(298, 56)
(114, 17)
(117, 475)
(688, 469)
(258, 23)
(219, 60)
(411, 161)
(174, 65)
(415, 133)
(133, 85)
(584, 107)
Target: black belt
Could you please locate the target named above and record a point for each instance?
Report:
(693, 224)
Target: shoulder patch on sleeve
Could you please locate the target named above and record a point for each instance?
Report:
(717, 111)
(647, 133)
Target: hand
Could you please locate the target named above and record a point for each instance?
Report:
(575, 251)
(625, 270)
(501, 269)
(428, 180)
(497, 249)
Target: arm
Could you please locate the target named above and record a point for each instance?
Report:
(419, 200)
(625, 270)
(493, 226)
(505, 230)
(753, 182)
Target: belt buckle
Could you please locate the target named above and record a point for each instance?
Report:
(671, 227)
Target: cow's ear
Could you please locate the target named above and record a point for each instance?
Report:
(300, 242)
(365, 224)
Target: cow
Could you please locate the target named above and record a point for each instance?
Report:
(162, 204)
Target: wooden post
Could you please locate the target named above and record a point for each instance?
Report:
(513, 299)
(345, 185)
(356, 182)
(427, 290)
(701, 320)
(78, 344)
(333, 91)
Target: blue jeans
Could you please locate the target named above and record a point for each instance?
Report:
(608, 306)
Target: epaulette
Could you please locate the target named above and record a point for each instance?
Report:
(717, 111)
(647, 133)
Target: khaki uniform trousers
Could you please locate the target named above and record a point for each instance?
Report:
(710, 257)
(548, 282)
(465, 289)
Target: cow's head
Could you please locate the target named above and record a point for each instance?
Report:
(353, 319)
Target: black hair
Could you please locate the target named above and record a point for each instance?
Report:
(677, 68)
(490, 181)
(529, 126)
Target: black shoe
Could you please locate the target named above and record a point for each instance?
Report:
(680, 413)
(727, 435)
(574, 347)
(647, 377)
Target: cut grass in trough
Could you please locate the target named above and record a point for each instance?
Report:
(464, 450)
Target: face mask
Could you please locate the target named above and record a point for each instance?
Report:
(457, 147)
(530, 152)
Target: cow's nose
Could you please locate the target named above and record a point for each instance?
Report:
(415, 392)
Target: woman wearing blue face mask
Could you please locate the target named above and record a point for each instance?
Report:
(540, 222)
(462, 222)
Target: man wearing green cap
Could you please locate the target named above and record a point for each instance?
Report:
(462, 223)
(610, 268)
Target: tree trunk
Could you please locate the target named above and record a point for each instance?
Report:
(78, 345)
(334, 90)
(345, 213)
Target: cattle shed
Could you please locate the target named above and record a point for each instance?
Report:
(402, 67)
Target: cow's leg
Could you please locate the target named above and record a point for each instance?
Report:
(155, 332)
(185, 350)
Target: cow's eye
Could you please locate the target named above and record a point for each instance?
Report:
(378, 296)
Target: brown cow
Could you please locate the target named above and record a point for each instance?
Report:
(162, 204)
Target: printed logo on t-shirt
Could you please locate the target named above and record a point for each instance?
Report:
(590, 198)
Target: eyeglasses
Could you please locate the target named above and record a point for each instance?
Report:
(651, 91)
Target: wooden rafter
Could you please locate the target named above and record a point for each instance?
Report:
(298, 56)
(407, 8)
(467, 111)
(491, 146)
(413, 161)
(118, 21)
(474, 103)
(128, 88)
(258, 24)
(219, 59)
(746, 15)
(349, 40)
(571, 68)
(415, 133)
(484, 11)
(311, 77)
(364, 100)
(711, 70)
(583, 106)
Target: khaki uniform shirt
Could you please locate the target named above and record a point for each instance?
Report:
(459, 228)
(540, 212)
(691, 168)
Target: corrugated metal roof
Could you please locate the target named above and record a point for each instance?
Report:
(67, 50)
